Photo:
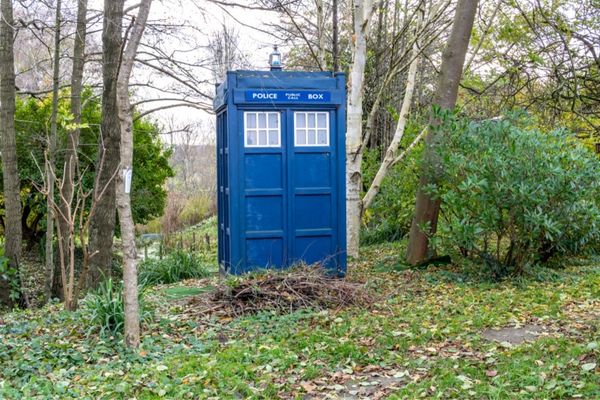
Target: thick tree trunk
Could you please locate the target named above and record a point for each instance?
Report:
(130, 283)
(390, 154)
(102, 226)
(50, 165)
(363, 10)
(12, 199)
(72, 145)
(426, 208)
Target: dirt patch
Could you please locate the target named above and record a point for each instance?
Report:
(514, 335)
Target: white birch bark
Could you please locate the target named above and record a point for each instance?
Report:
(321, 34)
(363, 11)
(130, 283)
(390, 154)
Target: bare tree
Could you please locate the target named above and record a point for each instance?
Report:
(50, 217)
(426, 208)
(224, 47)
(12, 200)
(130, 281)
(71, 156)
(76, 214)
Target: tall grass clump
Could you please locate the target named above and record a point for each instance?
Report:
(108, 309)
(175, 267)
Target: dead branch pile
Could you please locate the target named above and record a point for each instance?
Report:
(286, 291)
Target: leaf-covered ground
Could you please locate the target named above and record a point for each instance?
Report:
(423, 337)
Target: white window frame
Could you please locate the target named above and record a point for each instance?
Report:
(267, 128)
(307, 128)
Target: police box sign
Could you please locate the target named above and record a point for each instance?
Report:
(287, 96)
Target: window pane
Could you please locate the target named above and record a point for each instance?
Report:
(273, 137)
(321, 120)
(300, 120)
(262, 137)
(273, 120)
(251, 138)
(301, 136)
(262, 120)
(311, 137)
(311, 120)
(322, 137)
(250, 120)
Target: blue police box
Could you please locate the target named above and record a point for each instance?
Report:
(281, 170)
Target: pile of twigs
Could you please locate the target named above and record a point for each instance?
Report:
(285, 291)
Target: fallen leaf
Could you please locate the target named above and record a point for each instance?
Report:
(491, 373)
(308, 387)
(588, 367)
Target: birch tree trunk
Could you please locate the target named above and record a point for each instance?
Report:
(102, 225)
(130, 293)
(71, 157)
(334, 27)
(390, 154)
(321, 34)
(50, 165)
(10, 174)
(426, 208)
(363, 11)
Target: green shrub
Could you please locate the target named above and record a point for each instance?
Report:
(513, 195)
(10, 276)
(390, 214)
(108, 309)
(175, 267)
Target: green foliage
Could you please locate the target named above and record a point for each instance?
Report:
(32, 124)
(108, 309)
(513, 195)
(390, 214)
(10, 275)
(151, 170)
(176, 266)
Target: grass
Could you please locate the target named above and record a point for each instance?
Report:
(180, 292)
(174, 267)
(425, 329)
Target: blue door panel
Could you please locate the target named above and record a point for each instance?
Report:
(312, 170)
(264, 213)
(313, 249)
(264, 171)
(264, 252)
(312, 211)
